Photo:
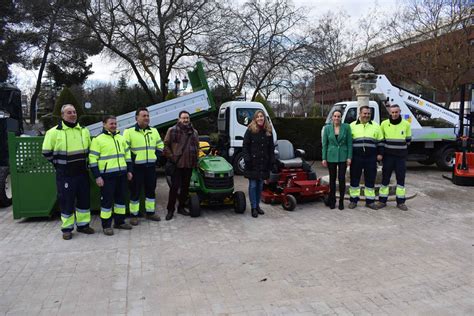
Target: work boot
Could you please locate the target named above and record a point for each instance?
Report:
(352, 205)
(108, 231)
(371, 206)
(169, 216)
(254, 212)
(124, 226)
(402, 206)
(134, 221)
(86, 230)
(341, 204)
(260, 211)
(153, 217)
(183, 211)
(381, 205)
(67, 235)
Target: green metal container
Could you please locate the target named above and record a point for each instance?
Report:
(33, 178)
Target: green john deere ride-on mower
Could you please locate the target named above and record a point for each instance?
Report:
(212, 183)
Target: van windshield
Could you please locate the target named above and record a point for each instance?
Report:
(245, 115)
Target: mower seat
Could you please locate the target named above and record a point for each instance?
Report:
(286, 155)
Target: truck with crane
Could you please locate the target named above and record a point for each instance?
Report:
(435, 128)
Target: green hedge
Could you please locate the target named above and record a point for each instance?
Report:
(89, 119)
(49, 121)
(303, 133)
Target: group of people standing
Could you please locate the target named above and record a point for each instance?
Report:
(361, 145)
(117, 162)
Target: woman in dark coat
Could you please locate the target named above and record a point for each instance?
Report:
(259, 157)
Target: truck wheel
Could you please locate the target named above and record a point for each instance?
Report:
(445, 160)
(5, 187)
(239, 202)
(194, 206)
(239, 164)
(289, 203)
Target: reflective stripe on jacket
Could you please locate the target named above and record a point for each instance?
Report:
(397, 137)
(367, 139)
(144, 144)
(64, 145)
(109, 155)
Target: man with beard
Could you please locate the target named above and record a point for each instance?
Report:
(181, 147)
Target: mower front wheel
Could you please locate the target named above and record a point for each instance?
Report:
(289, 203)
(194, 206)
(239, 202)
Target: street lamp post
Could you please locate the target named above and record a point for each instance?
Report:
(177, 84)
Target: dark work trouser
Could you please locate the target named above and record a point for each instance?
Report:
(143, 176)
(113, 192)
(71, 189)
(179, 181)
(367, 164)
(336, 169)
(398, 164)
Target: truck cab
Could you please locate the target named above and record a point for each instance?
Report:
(232, 122)
(349, 112)
(11, 120)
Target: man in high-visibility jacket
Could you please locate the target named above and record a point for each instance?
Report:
(367, 148)
(146, 146)
(110, 162)
(66, 145)
(397, 136)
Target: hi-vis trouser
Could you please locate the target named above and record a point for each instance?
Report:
(143, 176)
(70, 189)
(113, 193)
(369, 165)
(390, 164)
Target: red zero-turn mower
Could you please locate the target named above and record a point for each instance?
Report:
(295, 180)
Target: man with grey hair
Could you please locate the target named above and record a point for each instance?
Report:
(66, 145)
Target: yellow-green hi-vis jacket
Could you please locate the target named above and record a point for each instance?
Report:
(109, 155)
(145, 144)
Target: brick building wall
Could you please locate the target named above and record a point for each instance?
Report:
(431, 62)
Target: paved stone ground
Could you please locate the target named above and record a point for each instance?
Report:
(313, 261)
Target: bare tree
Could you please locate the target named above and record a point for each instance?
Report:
(258, 42)
(371, 32)
(330, 47)
(151, 37)
(437, 31)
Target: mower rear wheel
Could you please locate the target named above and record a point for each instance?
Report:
(5, 187)
(289, 203)
(194, 205)
(239, 202)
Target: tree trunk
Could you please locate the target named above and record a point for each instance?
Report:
(47, 49)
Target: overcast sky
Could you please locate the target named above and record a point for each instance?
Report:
(103, 68)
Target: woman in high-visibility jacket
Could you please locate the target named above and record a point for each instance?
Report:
(110, 162)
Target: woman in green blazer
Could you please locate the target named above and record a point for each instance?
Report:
(337, 154)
